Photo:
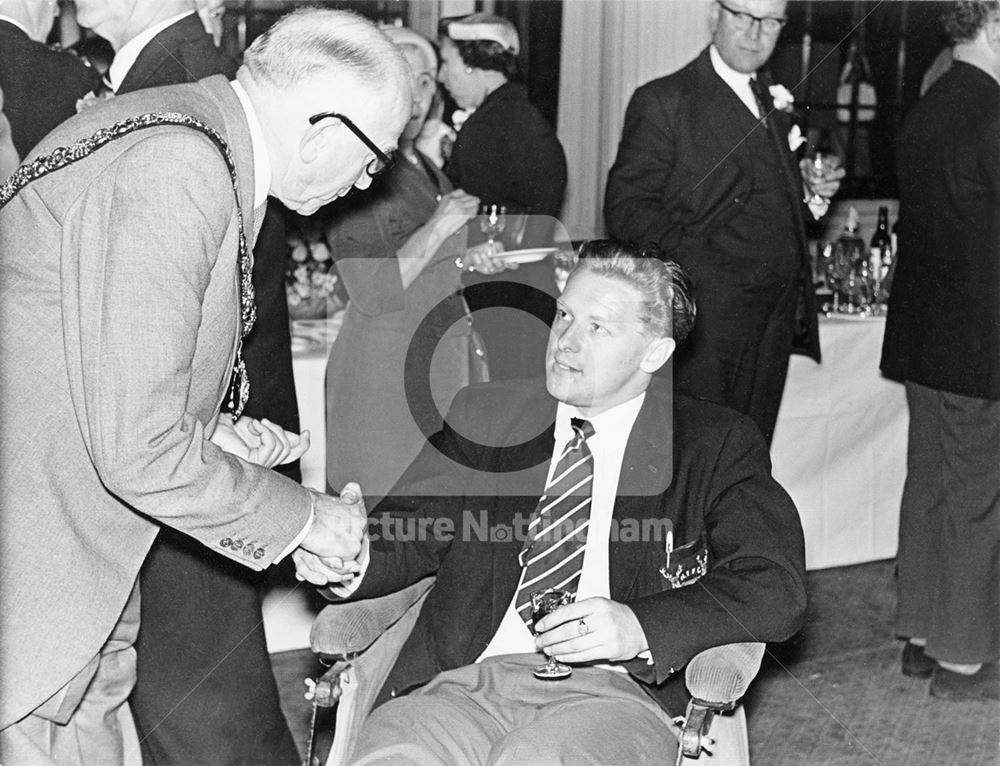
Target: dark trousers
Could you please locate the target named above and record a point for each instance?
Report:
(205, 692)
(949, 527)
(738, 353)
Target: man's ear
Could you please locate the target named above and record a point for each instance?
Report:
(314, 139)
(992, 28)
(659, 351)
(713, 17)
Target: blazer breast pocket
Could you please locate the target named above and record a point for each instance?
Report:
(687, 564)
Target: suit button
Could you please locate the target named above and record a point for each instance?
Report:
(259, 553)
(237, 545)
(248, 550)
(225, 542)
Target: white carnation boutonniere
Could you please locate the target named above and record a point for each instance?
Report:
(795, 138)
(783, 98)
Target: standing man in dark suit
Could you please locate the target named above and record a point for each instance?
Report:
(41, 85)
(942, 338)
(205, 692)
(624, 471)
(705, 170)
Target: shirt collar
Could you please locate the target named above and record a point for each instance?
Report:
(735, 80)
(261, 162)
(16, 23)
(616, 420)
(125, 57)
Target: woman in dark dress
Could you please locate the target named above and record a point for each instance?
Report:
(506, 153)
(398, 247)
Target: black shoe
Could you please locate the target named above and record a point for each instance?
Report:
(984, 684)
(916, 664)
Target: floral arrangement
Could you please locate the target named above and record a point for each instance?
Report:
(784, 101)
(311, 281)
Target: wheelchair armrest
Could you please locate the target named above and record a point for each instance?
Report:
(342, 630)
(717, 678)
(362, 639)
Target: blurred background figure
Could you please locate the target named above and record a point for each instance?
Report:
(231, 711)
(211, 13)
(942, 339)
(507, 154)
(96, 51)
(8, 154)
(404, 348)
(156, 43)
(41, 84)
(436, 137)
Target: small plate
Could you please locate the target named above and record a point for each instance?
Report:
(525, 256)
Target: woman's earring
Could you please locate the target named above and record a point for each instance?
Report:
(468, 70)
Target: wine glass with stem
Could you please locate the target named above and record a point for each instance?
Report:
(821, 166)
(542, 603)
(492, 221)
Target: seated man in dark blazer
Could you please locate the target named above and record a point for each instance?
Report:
(659, 513)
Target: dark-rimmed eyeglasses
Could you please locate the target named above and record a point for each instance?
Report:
(382, 161)
(744, 21)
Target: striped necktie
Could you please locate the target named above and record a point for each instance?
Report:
(557, 534)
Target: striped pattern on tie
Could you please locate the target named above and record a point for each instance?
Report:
(557, 534)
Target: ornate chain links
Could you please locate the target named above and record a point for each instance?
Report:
(239, 390)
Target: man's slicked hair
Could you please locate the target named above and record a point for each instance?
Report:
(668, 307)
(315, 41)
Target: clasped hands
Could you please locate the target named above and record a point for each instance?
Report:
(330, 550)
(336, 544)
(258, 441)
(609, 631)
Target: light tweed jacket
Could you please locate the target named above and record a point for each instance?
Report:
(118, 320)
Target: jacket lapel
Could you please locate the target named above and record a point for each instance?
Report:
(724, 115)
(517, 509)
(159, 51)
(806, 329)
(647, 473)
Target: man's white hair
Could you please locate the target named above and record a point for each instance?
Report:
(313, 42)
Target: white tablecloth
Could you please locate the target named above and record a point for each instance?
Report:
(840, 446)
(311, 342)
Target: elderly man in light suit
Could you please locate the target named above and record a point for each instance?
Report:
(122, 276)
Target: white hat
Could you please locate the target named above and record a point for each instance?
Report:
(484, 26)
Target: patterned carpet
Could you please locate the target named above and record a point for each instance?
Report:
(832, 696)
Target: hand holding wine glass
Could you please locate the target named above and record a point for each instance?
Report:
(821, 174)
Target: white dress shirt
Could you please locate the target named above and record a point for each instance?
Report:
(611, 431)
(738, 81)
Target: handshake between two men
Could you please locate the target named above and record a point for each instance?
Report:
(330, 550)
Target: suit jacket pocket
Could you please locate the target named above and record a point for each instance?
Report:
(687, 564)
